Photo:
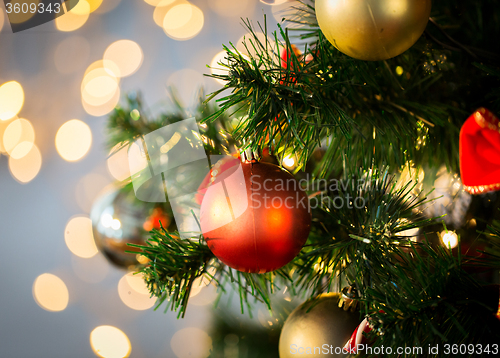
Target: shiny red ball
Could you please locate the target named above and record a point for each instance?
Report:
(255, 217)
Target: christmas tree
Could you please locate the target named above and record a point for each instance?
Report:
(386, 215)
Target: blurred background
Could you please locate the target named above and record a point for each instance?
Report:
(59, 296)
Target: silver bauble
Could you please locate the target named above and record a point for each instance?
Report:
(118, 219)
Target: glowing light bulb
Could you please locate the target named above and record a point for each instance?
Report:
(289, 162)
(109, 341)
(74, 18)
(449, 239)
(73, 140)
(11, 100)
(50, 292)
(126, 55)
(26, 168)
(79, 238)
(183, 21)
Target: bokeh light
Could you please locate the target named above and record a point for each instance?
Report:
(191, 342)
(110, 342)
(110, 67)
(3, 127)
(289, 162)
(218, 69)
(411, 176)
(11, 99)
(205, 296)
(24, 14)
(94, 4)
(449, 238)
(134, 293)
(162, 8)
(136, 282)
(26, 168)
(199, 283)
(18, 138)
(248, 39)
(50, 292)
(126, 55)
(73, 140)
(286, 9)
(187, 82)
(99, 86)
(79, 238)
(183, 21)
(100, 89)
(153, 2)
(71, 54)
(231, 8)
(118, 162)
(1, 20)
(75, 18)
(103, 109)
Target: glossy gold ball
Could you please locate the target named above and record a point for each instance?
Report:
(317, 329)
(372, 30)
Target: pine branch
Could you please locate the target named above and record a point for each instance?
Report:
(429, 300)
(175, 264)
(360, 223)
(402, 109)
(130, 121)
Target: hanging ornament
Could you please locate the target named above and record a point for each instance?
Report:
(119, 219)
(286, 59)
(358, 337)
(318, 328)
(156, 220)
(255, 217)
(286, 56)
(372, 30)
(480, 152)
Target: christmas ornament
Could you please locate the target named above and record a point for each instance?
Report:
(357, 337)
(372, 30)
(317, 328)
(480, 152)
(286, 56)
(118, 219)
(156, 220)
(255, 217)
(222, 165)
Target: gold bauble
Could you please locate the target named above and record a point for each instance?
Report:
(372, 30)
(317, 329)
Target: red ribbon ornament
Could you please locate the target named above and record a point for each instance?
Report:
(480, 152)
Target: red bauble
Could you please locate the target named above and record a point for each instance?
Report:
(255, 217)
(153, 222)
